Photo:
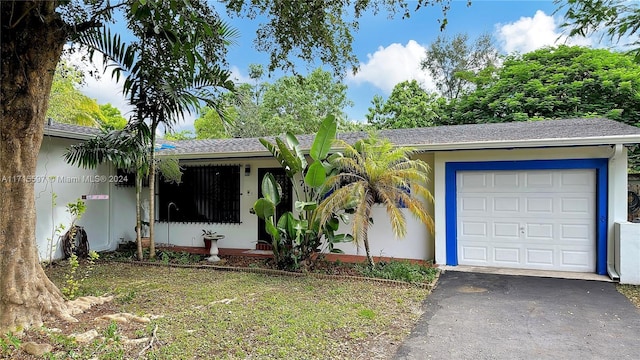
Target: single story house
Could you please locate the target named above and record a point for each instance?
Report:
(542, 195)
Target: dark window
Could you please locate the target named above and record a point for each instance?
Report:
(207, 194)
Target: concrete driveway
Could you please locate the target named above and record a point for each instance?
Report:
(488, 316)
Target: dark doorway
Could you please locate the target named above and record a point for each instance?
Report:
(286, 200)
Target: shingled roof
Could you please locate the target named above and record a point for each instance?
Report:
(565, 132)
(70, 131)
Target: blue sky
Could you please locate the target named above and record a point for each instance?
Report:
(390, 50)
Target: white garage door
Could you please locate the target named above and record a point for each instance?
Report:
(538, 219)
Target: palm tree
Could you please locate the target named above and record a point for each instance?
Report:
(373, 171)
(125, 149)
(166, 79)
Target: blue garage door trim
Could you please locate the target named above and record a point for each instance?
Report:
(599, 165)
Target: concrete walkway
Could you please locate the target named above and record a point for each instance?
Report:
(488, 316)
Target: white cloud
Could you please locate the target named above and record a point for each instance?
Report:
(393, 64)
(104, 88)
(238, 77)
(531, 33)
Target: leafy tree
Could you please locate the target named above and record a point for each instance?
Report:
(127, 149)
(373, 172)
(619, 19)
(113, 119)
(165, 78)
(451, 62)
(408, 106)
(31, 42)
(210, 125)
(67, 104)
(298, 104)
(179, 135)
(295, 104)
(556, 83)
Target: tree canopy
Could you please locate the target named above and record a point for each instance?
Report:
(408, 106)
(298, 104)
(560, 82)
(452, 61)
(618, 19)
(295, 104)
(68, 105)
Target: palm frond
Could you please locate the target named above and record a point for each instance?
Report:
(118, 55)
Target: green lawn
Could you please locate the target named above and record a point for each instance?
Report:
(227, 315)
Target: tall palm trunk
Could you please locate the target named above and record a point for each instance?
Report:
(152, 191)
(26, 294)
(365, 235)
(139, 176)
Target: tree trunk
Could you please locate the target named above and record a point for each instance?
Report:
(139, 176)
(152, 192)
(365, 239)
(26, 294)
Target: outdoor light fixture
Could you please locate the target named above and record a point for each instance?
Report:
(247, 170)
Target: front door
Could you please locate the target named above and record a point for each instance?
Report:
(286, 201)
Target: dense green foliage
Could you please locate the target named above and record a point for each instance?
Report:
(179, 135)
(295, 104)
(210, 124)
(549, 83)
(552, 83)
(68, 105)
(408, 106)
(299, 104)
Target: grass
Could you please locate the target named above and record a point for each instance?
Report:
(400, 270)
(632, 292)
(227, 315)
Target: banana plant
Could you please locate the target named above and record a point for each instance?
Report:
(297, 237)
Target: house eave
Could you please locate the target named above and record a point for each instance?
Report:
(531, 143)
(476, 145)
(67, 134)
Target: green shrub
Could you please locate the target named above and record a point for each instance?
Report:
(400, 270)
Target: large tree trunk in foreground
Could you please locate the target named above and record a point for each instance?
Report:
(31, 47)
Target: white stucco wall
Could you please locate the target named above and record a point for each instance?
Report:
(68, 183)
(617, 206)
(417, 244)
(628, 252)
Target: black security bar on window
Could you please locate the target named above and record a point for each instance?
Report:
(207, 194)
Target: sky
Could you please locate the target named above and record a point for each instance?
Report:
(390, 50)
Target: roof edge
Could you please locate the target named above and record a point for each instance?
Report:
(67, 134)
(530, 143)
(476, 145)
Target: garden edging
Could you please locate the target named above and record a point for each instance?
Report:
(428, 286)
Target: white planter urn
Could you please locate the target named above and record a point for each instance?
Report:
(213, 251)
